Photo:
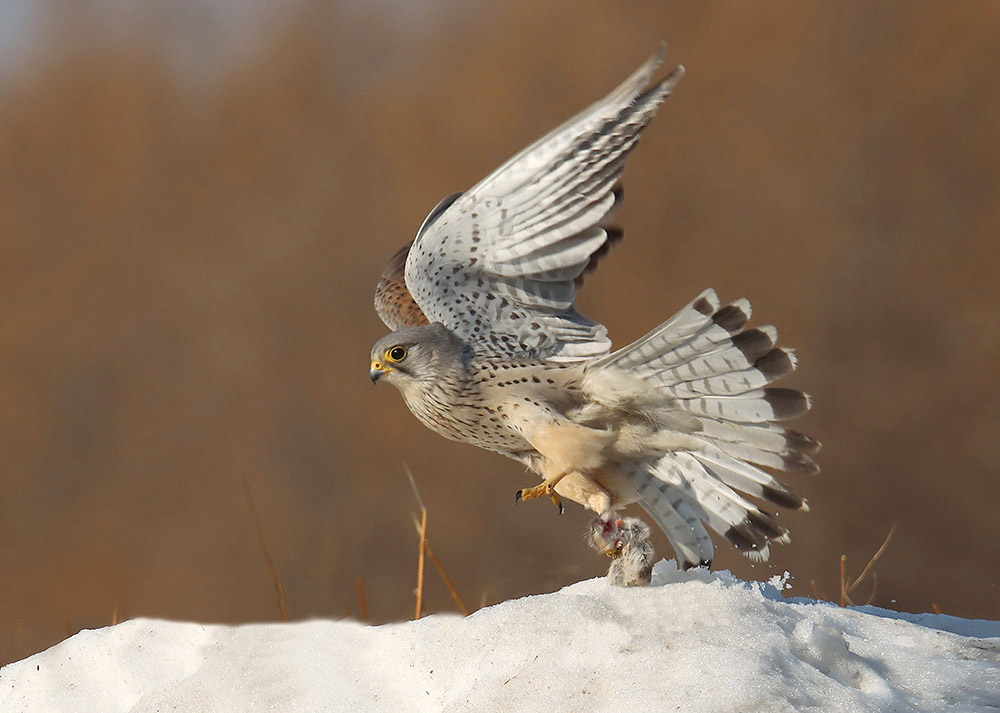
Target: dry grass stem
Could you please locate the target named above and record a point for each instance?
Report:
(279, 590)
(114, 615)
(444, 575)
(447, 581)
(844, 599)
(420, 562)
(871, 597)
(816, 591)
(413, 484)
(846, 589)
(361, 599)
(423, 541)
(936, 608)
(425, 547)
(872, 561)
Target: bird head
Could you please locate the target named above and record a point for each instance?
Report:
(414, 354)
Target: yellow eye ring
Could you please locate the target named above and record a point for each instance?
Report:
(395, 354)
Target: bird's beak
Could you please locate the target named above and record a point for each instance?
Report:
(377, 371)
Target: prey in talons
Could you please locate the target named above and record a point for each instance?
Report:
(627, 542)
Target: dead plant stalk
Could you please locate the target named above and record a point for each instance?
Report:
(279, 590)
(444, 575)
(846, 589)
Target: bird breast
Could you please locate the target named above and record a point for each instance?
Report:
(473, 407)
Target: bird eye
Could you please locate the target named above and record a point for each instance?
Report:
(396, 354)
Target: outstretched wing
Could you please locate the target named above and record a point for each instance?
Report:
(393, 302)
(497, 265)
(396, 306)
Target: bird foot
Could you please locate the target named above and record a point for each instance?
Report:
(627, 542)
(545, 489)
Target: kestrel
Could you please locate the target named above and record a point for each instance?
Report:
(489, 349)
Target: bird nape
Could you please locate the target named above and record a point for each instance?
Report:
(488, 348)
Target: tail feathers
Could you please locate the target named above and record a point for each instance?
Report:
(674, 516)
(757, 406)
(794, 462)
(749, 479)
(703, 364)
(764, 437)
(689, 516)
(680, 535)
(716, 332)
(676, 330)
(741, 352)
(705, 359)
(770, 367)
(704, 350)
(747, 527)
(766, 444)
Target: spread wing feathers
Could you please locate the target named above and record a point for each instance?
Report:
(393, 302)
(615, 236)
(498, 266)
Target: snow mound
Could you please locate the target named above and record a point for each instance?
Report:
(694, 641)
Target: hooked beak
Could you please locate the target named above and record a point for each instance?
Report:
(377, 371)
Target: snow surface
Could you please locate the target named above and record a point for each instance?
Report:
(694, 641)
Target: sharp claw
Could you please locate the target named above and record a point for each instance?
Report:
(557, 501)
(537, 492)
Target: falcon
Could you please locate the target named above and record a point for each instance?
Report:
(489, 349)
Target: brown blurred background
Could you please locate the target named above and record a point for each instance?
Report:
(196, 199)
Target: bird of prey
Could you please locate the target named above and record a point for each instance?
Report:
(488, 348)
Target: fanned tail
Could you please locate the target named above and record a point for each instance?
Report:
(706, 365)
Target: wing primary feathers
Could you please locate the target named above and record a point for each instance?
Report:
(436, 212)
(393, 301)
(614, 236)
(512, 249)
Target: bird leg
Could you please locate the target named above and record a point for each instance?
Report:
(626, 541)
(547, 488)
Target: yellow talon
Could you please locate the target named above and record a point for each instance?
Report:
(548, 488)
(535, 492)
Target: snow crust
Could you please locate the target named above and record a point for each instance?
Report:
(692, 642)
